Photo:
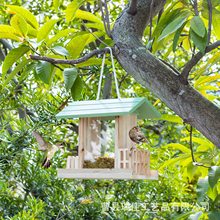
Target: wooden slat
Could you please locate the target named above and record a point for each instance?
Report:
(104, 174)
(68, 162)
(82, 140)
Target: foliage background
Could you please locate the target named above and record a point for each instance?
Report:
(32, 95)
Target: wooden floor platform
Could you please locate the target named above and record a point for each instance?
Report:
(104, 174)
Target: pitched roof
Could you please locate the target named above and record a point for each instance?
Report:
(109, 108)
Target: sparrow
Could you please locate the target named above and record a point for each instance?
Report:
(137, 136)
(48, 148)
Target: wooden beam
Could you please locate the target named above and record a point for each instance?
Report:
(104, 174)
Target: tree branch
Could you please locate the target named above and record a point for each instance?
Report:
(195, 59)
(70, 62)
(132, 10)
(210, 21)
(105, 17)
(158, 77)
(195, 6)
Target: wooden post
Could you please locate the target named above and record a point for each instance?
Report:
(89, 139)
(123, 124)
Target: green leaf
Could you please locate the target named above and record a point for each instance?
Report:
(60, 50)
(214, 175)
(56, 4)
(72, 8)
(12, 57)
(9, 32)
(198, 41)
(164, 20)
(78, 43)
(76, 90)
(32, 33)
(172, 118)
(214, 215)
(92, 62)
(198, 26)
(61, 34)
(17, 69)
(85, 15)
(70, 75)
(27, 15)
(216, 25)
(44, 71)
(177, 146)
(202, 188)
(97, 26)
(173, 26)
(177, 35)
(7, 29)
(19, 23)
(195, 216)
(10, 36)
(45, 29)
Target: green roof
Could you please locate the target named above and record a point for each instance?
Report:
(109, 108)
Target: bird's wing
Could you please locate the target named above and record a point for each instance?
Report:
(43, 145)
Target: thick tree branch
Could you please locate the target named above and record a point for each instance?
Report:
(195, 59)
(132, 10)
(70, 62)
(150, 72)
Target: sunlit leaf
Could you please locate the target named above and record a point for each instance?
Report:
(12, 57)
(56, 4)
(7, 29)
(71, 9)
(78, 43)
(61, 34)
(19, 23)
(212, 193)
(177, 146)
(85, 15)
(27, 15)
(70, 75)
(216, 25)
(171, 118)
(45, 29)
(98, 26)
(10, 36)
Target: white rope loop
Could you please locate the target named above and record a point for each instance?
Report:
(114, 72)
(100, 79)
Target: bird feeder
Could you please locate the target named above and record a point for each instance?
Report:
(129, 162)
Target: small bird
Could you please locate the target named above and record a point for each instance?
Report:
(137, 136)
(48, 148)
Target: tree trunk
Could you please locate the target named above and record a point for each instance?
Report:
(150, 72)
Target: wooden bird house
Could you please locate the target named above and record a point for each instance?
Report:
(129, 162)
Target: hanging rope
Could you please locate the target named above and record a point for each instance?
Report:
(114, 72)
